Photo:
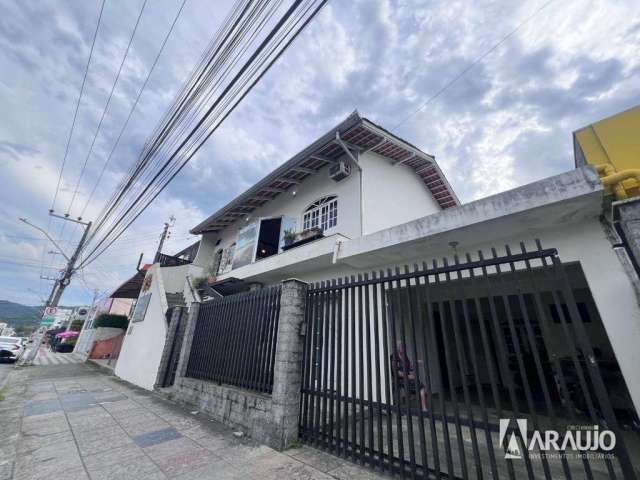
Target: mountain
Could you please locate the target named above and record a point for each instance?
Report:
(22, 318)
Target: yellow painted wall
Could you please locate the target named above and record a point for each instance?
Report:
(615, 141)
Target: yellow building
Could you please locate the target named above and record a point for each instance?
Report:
(612, 145)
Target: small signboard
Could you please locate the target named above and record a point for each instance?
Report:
(141, 308)
(48, 319)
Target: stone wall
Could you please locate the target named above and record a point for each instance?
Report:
(241, 409)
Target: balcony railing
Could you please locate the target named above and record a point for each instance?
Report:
(170, 261)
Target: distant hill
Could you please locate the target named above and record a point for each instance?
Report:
(22, 318)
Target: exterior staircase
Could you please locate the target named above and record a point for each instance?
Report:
(175, 300)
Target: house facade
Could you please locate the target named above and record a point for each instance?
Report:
(354, 218)
(355, 180)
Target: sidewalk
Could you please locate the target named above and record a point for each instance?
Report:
(72, 421)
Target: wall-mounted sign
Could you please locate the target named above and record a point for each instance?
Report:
(146, 284)
(141, 308)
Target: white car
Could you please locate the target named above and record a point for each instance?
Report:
(11, 348)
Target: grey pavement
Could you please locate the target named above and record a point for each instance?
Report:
(72, 421)
(5, 368)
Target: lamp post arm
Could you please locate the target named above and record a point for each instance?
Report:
(24, 220)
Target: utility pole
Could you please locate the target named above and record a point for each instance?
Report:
(71, 267)
(165, 233)
(61, 284)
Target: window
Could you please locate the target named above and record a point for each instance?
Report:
(322, 213)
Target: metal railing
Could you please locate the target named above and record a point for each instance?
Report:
(234, 341)
(170, 261)
(412, 370)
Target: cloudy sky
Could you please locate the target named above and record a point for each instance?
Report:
(506, 122)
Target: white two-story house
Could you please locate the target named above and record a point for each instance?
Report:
(355, 180)
(360, 199)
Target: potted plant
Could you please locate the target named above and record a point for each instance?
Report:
(311, 233)
(199, 282)
(289, 237)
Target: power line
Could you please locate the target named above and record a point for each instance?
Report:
(73, 124)
(133, 107)
(75, 114)
(473, 64)
(267, 53)
(106, 107)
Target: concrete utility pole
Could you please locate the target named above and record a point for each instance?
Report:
(70, 270)
(165, 233)
(61, 284)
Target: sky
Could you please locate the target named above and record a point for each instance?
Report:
(506, 122)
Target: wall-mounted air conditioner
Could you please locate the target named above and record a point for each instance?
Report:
(339, 170)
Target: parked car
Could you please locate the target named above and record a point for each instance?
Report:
(11, 348)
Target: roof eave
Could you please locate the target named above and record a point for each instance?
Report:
(351, 121)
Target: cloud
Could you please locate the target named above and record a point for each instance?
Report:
(15, 151)
(508, 121)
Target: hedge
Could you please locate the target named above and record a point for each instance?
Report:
(76, 325)
(111, 321)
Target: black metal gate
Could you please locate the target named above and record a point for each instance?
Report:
(234, 340)
(425, 371)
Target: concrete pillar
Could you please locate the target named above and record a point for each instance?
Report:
(187, 340)
(172, 332)
(287, 375)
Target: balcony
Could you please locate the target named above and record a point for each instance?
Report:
(308, 257)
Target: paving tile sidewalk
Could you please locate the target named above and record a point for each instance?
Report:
(75, 422)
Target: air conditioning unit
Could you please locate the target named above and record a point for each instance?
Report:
(339, 170)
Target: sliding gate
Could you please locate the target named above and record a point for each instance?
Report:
(448, 370)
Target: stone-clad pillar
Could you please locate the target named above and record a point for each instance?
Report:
(172, 332)
(287, 375)
(187, 340)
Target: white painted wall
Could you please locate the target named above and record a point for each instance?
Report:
(143, 344)
(173, 278)
(392, 194)
(387, 196)
(312, 189)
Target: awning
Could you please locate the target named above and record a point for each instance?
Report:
(130, 288)
(230, 286)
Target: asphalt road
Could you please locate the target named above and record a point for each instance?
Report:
(5, 368)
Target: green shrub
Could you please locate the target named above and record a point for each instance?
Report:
(109, 320)
(76, 325)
